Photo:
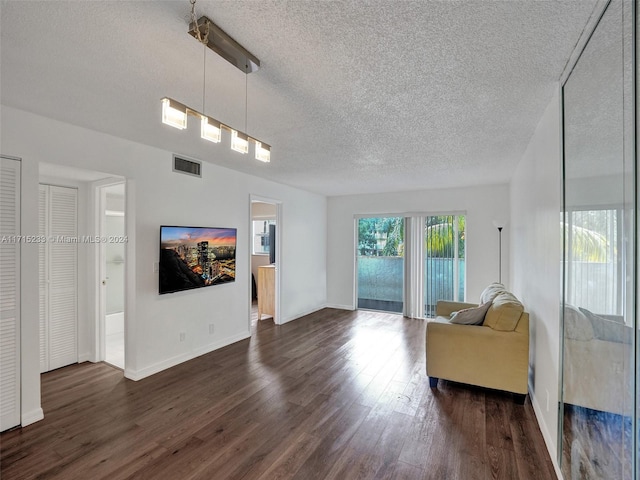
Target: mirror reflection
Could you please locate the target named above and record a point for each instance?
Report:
(599, 325)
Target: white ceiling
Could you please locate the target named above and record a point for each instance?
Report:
(354, 96)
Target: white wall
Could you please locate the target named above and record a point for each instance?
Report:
(482, 205)
(535, 259)
(155, 196)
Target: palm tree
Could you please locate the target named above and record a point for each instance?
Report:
(440, 235)
(586, 245)
(381, 236)
(394, 229)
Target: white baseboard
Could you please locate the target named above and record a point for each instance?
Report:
(341, 307)
(31, 417)
(299, 315)
(549, 442)
(178, 359)
(86, 357)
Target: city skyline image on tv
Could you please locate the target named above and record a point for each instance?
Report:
(195, 257)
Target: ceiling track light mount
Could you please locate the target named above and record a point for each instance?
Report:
(175, 113)
(224, 45)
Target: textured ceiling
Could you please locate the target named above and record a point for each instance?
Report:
(354, 96)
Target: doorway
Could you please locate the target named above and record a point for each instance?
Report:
(112, 273)
(58, 276)
(265, 232)
(405, 264)
(380, 264)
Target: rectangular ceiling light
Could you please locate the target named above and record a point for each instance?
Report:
(210, 129)
(174, 113)
(263, 152)
(239, 142)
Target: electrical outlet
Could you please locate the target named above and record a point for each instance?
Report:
(211, 329)
(182, 336)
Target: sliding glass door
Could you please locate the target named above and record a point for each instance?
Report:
(380, 263)
(406, 264)
(444, 265)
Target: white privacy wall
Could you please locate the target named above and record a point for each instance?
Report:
(535, 261)
(482, 205)
(156, 196)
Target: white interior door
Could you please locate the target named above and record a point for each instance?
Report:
(58, 275)
(9, 293)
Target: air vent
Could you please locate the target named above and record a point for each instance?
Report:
(189, 167)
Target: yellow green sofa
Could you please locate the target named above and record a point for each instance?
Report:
(494, 354)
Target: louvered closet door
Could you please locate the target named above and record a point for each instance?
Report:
(9, 293)
(43, 261)
(59, 272)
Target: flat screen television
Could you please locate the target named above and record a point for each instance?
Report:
(272, 243)
(195, 257)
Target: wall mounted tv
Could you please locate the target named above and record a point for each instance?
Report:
(194, 257)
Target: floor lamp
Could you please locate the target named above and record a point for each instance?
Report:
(500, 254)
(499, 225)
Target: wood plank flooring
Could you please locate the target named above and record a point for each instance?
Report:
(333, 395)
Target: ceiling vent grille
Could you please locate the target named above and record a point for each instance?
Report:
(188, 167)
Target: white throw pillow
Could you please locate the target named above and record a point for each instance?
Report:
(491, 292)
(470, 316)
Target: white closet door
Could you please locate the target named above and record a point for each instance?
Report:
(9, 293)
(60, 266)
(43, 262)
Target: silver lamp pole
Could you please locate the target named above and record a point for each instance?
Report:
(500, 254)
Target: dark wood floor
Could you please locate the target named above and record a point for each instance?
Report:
(596, 444)
(334, 395)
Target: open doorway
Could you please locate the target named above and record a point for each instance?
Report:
(264, 252)
(112, 273)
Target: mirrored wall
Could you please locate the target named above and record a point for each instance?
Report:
(598, 413)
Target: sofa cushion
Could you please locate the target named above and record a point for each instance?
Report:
(504, 313)
(609, 330)
(576, 325)
(489, 293)
(470, 316)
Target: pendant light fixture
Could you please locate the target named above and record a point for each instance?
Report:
(175, 113)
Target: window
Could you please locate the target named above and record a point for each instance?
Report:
(261, 236)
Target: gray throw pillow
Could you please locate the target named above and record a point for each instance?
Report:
(609, 330)
(470, 316)
(576, 324)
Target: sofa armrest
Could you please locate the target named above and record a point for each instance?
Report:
(445, 308)
(478, 355)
